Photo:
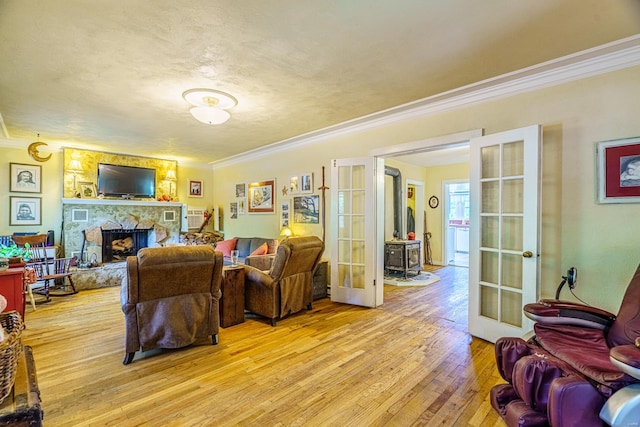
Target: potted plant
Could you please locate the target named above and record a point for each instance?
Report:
(13, 255)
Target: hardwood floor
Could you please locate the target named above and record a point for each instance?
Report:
(408, 362)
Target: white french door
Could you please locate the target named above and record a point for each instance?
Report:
(356, 267)
(504, 233)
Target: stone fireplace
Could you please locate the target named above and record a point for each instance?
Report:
(160, 223)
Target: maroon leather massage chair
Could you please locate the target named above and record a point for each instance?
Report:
(581, 368)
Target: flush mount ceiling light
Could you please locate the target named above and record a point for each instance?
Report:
(209, 106)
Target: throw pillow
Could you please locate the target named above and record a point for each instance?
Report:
(243, 245)
(226, 246)
(261, 250)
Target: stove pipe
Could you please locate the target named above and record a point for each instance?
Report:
(397, 199)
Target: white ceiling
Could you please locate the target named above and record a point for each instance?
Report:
(109, 75)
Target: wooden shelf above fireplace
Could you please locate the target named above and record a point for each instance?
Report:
(122, 202)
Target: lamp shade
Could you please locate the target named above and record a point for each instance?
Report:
(210, 115)
(286, 231)
(171, 175)
(75, 166)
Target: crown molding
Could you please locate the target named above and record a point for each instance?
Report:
(602, 59)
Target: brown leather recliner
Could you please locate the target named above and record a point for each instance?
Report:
(170, 297)
(288, 286)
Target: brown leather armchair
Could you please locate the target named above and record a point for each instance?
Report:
(170, 297)
(288, 286)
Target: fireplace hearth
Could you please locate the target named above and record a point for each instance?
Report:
(118, 244)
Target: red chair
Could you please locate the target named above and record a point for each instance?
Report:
(582, 367)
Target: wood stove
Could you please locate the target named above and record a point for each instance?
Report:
(402, 256)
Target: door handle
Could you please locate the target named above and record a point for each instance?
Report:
(527, 254)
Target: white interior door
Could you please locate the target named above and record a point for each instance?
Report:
(356, 267)
(504, 234)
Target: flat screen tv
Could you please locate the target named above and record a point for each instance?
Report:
(126, 181)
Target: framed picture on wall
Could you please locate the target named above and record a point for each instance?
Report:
(195, 188)
(25, 211)
(306, 209)
(306, 183)
(25, 178)
(618, 171)
(262, 196)
(241, 191)
(294, 184)
(87, 190)
(284, 214)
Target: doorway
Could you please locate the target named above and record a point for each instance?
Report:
(506, 153)
(415, 212)
(436, 151)
(456, 222)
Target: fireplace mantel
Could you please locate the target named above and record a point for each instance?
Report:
(119, 202)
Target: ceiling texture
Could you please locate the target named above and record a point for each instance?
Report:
(109, 75)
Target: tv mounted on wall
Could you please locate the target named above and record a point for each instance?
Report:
(126, 181)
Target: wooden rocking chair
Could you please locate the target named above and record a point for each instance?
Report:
(52, 273)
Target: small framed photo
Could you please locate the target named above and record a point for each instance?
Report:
(294, 184)
(25, 178)
(195, 188)
(618, 171)
(241, 191)
(241, 210)
(306, 183)
(233, 210)
(262, 196)
(25, 211)
(87, 190)
(284, 214)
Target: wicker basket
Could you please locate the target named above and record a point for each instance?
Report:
(10, 350)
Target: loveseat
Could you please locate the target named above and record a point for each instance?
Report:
(254, 251)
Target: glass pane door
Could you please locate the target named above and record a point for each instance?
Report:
(354, 232)
(504, 263)
(351, 216)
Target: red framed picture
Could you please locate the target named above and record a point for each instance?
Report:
(262, 196)
(618, 167)
(195, 188)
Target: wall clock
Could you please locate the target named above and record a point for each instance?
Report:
(433, 202)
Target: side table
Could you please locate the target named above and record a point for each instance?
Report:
(12, 287)
(22, 406)
(232, 299)
(320, 280)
